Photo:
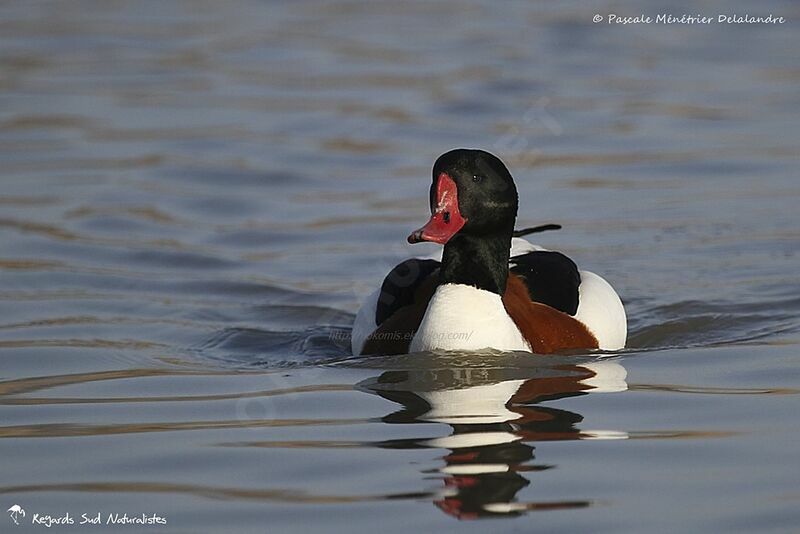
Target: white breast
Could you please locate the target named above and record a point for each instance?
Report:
(461, 317)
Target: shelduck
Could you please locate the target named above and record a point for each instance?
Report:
(489, 288)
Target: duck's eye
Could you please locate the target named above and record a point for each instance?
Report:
(477, 178)
(446, 216)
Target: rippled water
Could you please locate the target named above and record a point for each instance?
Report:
(195, 196)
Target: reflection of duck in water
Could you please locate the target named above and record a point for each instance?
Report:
(489, 288)
(494, 416)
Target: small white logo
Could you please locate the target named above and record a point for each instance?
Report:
(15, 511)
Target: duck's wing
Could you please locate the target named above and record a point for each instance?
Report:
(386, 322)
(400, 286)
(551, 277)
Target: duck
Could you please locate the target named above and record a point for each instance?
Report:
(488, 288)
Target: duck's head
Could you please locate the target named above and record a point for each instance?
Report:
(472, 194)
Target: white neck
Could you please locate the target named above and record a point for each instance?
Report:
(461, 317)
